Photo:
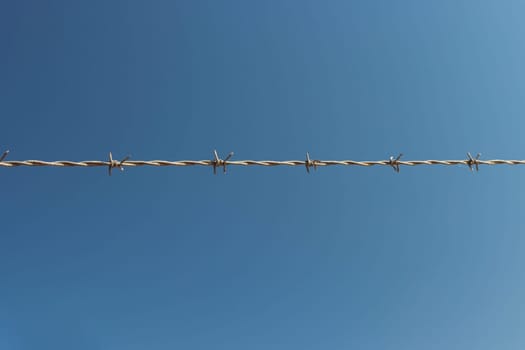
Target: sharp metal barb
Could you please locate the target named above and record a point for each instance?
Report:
(307, 162)
(4, 155)
(225, 160)
(122, 162)
(115, 163)
(110, 167)
(473, 161)
(394, 162)
(217, 161)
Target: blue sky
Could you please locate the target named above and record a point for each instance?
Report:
(262, 258)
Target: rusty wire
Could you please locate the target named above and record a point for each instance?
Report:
(394, 162)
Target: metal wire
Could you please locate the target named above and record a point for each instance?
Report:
(216, 162)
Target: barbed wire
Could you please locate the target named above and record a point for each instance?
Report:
(217, 162)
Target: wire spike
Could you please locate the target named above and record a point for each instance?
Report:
(4, 155)
(115, 163)
(307, 162)
(473, 161)
(110, 167)
(394, 162)
(217, 161)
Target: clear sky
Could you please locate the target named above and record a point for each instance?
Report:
(262, 258)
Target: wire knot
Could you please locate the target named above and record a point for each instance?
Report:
(473, 161)
(115, 163)
(308, 163)
(218, 162)
(4, 155)
(394, 162)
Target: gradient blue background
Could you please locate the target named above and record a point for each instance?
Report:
(262, 258)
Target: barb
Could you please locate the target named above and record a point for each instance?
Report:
(394, 163)
(4, 155)
(220, 162)
(308, 163)
(115, 163)
(473, 161)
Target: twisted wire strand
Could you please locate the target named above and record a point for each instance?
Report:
(217, 162)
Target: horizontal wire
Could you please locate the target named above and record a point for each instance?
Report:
(319, 163)
(395, 163)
